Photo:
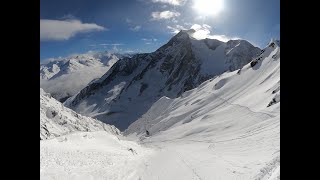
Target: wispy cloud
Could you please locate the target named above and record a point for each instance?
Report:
(151, 39)
(128, 20)
(105, 45)
(58, 30)
(136, 28)
(132, 25)
(112, 44)
(68, 16)
(164, 15)
(171, 2)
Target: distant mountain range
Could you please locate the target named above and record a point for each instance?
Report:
(64, 77)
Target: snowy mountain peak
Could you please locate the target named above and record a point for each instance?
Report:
(178, 66)
(186, 32)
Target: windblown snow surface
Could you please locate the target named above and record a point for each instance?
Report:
(228, 128)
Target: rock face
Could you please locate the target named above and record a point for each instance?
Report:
(57, 120)
(64, 77)
(133, 84)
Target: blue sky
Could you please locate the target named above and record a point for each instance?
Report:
(78, 26)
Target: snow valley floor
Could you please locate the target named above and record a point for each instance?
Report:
(227, 128)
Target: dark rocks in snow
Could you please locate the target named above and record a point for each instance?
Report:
(50, 113)
(274, 100)
(276, 90)
(253, 63)
(63, 123)
(272, 45)
(54, 113)
(133, 151)
(275, 56)
(76, 115)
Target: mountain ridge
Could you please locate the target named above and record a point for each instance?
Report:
(64, 77)
(179, 65)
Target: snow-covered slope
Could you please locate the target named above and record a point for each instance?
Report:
(92, 155)
(57, 120)
(133, 84)
(64, 77)
(254, 88)
(225, 128)
(75, 147)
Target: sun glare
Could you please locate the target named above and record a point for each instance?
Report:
(208, 7)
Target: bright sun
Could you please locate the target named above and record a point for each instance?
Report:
(208, 7)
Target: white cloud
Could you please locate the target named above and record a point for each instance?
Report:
(197, 27)
(136, 28)
(171, 2)
(203, 31)
(206, 26)
(65, 29)
(164, 15)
